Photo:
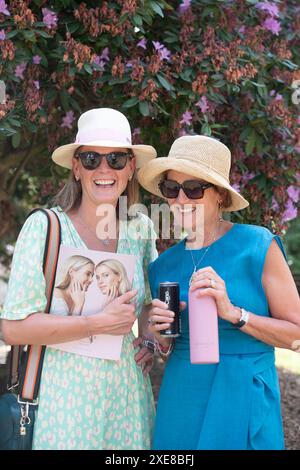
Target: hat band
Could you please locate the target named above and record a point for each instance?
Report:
(102, 134)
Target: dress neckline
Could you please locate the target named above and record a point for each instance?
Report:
(212, 244)
(72, 227)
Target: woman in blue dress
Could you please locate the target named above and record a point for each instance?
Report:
(234, 404)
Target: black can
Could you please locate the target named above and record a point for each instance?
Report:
(169, 293)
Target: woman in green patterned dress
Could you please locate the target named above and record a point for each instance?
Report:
(87, 402)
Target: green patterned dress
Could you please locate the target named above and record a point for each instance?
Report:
(85, 403)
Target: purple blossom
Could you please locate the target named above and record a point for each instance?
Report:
(271, 8)
(236, 187)
(136, 131)
(163, 52)
(187, 118)
(290, 211)
(242, 29)
(184, 6)
(20, 69)
(36, 84)
(3, 8)
(129, 65)
(49, 18)
(68, 120)
(294, 193)
(142, 43)
(203, 104)
(272, 25)
(36, 59)
(275, 205)
(247, 177)
(101, 60)
(2, 35)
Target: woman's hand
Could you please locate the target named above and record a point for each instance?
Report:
(160, 319)
(77, 294)
(117, 317)
(212, 284)
(145, 356)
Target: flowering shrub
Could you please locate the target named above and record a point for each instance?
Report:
(222, 68)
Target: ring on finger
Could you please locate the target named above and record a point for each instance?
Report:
(151, 322)
(212, 283)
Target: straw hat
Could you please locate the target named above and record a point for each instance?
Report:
(104, 127)
(198, 156)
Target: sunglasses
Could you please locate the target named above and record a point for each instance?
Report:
(91, 160)
(193, 189)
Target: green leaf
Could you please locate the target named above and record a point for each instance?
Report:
(43, 33)
(251, 142)
(29, 36)
(164, 82)
(137, 20)
(144, 108)
(131, 102)
(16, 139)
(88, 68)
(157, 9)
(11, 34)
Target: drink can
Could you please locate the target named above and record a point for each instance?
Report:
(169, 293)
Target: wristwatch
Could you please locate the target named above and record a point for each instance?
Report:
(243, 320)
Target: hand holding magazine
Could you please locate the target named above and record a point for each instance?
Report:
(88, 282)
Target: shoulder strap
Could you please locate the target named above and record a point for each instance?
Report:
(30, 381)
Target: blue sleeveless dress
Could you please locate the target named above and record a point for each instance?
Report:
(233, 405)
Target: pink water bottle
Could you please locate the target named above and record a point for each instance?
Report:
(204, 335)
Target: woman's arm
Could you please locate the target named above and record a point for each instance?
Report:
(283, 329)
(41, 328)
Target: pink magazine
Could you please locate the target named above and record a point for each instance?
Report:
(86, 281)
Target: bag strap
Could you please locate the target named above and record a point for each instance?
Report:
(30, 380)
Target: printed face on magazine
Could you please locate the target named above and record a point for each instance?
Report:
(106, 279)
(83, 275)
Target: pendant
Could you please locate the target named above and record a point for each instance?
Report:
(191, 278)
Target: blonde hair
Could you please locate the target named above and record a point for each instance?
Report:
(69, 197)
(75, 262)
(117, 268)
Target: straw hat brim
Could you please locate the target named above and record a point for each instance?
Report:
(63, 155)
(151, 174)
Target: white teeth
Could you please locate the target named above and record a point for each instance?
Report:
(103, 182)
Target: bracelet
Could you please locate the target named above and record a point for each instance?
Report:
(148, 344)
(163, 351)
(90, 336)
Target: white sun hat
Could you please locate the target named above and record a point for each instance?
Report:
(198, 156)
(103, 127)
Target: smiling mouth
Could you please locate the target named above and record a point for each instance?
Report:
(104, 183)
(187, 210)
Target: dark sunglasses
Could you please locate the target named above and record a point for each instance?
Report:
(193, 189)
(91, 160)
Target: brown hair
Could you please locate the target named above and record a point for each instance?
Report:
(226, 197)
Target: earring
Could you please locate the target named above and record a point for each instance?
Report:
(220, 214)
(77, 178)
(130, 178)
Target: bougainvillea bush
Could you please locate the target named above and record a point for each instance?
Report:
(223, 68)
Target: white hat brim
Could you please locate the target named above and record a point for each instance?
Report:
(63, 155)
(150, 175)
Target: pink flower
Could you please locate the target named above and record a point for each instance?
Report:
(136, 131)
(2, 35)
(247, 177)
(3, 8)
(294, 193)
(68, 120)
(20, 69)
(187, 118)
(203, 104)
(272, 25)
(184, 5)
(36, 59)
(36, 84)
(275, 205)
(49, 18)
(142, 43)
(242, 29)
(271, 8)
(290, 211)
(236, 187)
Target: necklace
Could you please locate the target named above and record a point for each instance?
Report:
(203, 255)
(105, 242)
